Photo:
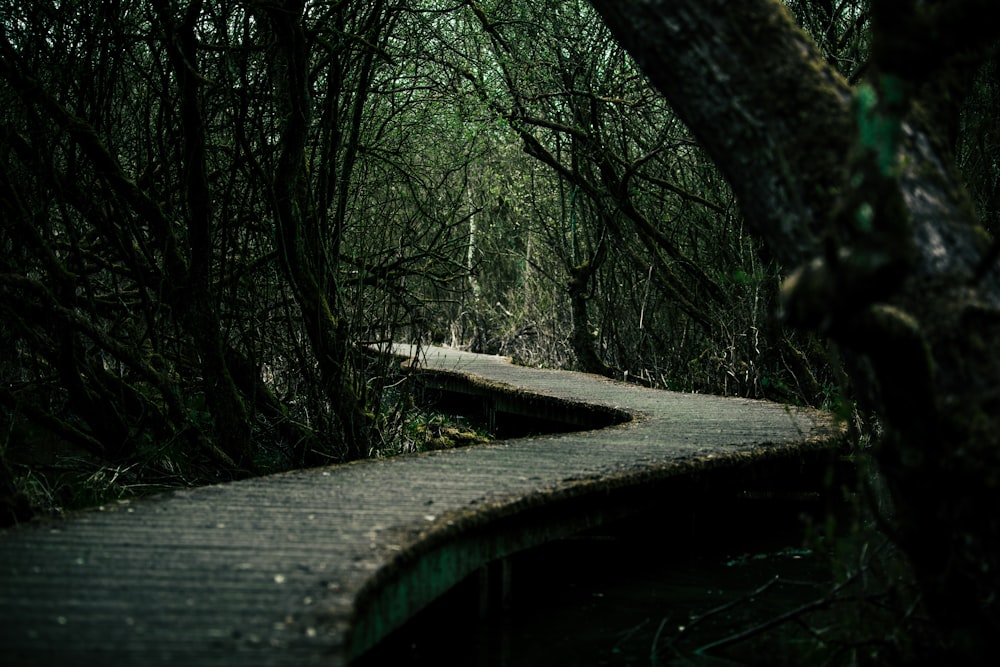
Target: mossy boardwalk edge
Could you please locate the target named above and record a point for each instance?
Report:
(315, 566)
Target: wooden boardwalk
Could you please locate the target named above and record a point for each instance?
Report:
(316, 566)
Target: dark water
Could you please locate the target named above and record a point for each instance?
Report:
(620, 596)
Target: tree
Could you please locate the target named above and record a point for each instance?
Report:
(211, 210)
(859, 189)
(661, 283)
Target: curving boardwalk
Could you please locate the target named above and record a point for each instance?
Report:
(315, 566)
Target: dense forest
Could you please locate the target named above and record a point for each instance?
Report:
(217, 211)
(217, 214)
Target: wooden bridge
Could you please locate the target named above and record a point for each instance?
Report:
(317, 566)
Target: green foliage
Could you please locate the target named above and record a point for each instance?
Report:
(614, 248)
(426, 431)
(155, 293)
(407, 428)
(52, 479)
(199, 251)
(841, 30)
(879, 126)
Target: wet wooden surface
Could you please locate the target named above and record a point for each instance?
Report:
(314, 566)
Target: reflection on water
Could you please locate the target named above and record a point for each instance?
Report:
(627, 596)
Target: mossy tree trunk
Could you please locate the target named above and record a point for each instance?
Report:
(193, 296)
(299, 250)
(858, 188)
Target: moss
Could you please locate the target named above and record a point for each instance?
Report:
(428, 561)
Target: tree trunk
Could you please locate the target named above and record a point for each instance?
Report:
(295, 218)
(191, 295)
(858, 190)
(584, 342)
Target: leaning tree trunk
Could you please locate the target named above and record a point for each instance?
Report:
(858, 189)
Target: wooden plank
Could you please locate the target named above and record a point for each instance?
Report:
(316, 566)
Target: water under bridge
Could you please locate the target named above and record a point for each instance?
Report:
(315, 567)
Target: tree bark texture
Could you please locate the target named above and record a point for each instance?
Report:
(889, 250)
(295, 220)
(760, 99)
(193, 298)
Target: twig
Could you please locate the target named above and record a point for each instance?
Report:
(695, 620)
(729, 605)
(794, 614)
(656, 639)
(627, 634)
(767, 625)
